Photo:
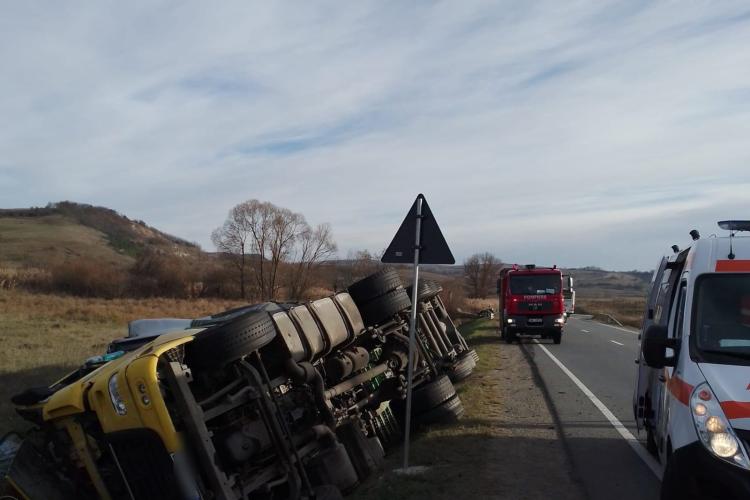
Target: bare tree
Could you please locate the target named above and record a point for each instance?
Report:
(314, 246)
(259, 237)
(480, 271)
(232, 238)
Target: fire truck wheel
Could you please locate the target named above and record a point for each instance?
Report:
(510, 336)
(374, 286)
(462, 368)
(385, 307)
(220, 345)
(557, 337)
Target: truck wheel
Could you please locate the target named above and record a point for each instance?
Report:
(374, 286)
(446, 413)
(462, 368)
(385, 307)
(426, 397)
(427, 290)
(503, 332)
(220, 345)
(510, 336)
(557, 337)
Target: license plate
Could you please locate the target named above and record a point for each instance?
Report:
(535, 320)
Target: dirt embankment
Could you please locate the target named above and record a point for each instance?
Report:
(505, 447)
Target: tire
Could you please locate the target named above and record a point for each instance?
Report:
(446, 413)
(220, 345)
(426, 397)
(557, 337)
(462, 368)
(384, 307)
(510, 336)
(427, 290)
(374, 286)
(503, 332)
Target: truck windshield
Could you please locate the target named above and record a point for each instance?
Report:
(535, 284)
(722, 316)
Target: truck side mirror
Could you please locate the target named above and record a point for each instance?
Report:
(654, 345)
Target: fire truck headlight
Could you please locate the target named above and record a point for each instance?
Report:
(559, 321)
(511, 321)
(713, 427)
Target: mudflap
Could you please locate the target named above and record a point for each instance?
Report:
(25, 474)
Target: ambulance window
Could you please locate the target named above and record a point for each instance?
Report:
(661, 309)
(680, 316)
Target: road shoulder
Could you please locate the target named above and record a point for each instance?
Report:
(507, 445)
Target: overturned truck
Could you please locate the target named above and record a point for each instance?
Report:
(268, 401)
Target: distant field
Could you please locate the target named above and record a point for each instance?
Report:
(44, 241)
(627, 310)
(42, 337)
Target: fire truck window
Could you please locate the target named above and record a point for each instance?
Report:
(540, 284)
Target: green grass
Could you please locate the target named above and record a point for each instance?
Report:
(445, 449)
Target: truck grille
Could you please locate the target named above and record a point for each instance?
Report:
(146, 464)
(535, 306)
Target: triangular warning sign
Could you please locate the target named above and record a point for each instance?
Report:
(433, 248)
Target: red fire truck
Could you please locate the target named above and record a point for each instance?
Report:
(531, 302)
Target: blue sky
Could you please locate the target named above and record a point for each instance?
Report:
(576, 133)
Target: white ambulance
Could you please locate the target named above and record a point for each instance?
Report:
(693, 392)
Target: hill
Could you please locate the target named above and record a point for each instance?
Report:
(43, 237)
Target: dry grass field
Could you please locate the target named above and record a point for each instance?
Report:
(627, 310)
(42, 337)
(43, 241)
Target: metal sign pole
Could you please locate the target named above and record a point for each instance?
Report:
(412, 330)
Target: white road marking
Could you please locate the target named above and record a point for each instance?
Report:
(626, 330)
(585, 331)
(639, 449)
(616, 342)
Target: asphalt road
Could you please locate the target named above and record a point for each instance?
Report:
(601, 357)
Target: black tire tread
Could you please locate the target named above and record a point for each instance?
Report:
(384, 307)
(224, 343)
(463, 367)
(448, 412)
(374, 286)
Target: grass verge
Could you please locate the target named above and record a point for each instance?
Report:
(505, 446)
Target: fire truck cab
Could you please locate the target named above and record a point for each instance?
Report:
(531, 302)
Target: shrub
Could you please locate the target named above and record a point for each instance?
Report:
(88, 279)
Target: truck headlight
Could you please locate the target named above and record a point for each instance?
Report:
(713, 427)
(511, 321)
(114, 395)
(559, 321)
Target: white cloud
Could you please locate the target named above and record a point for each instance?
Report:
(533, 129)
